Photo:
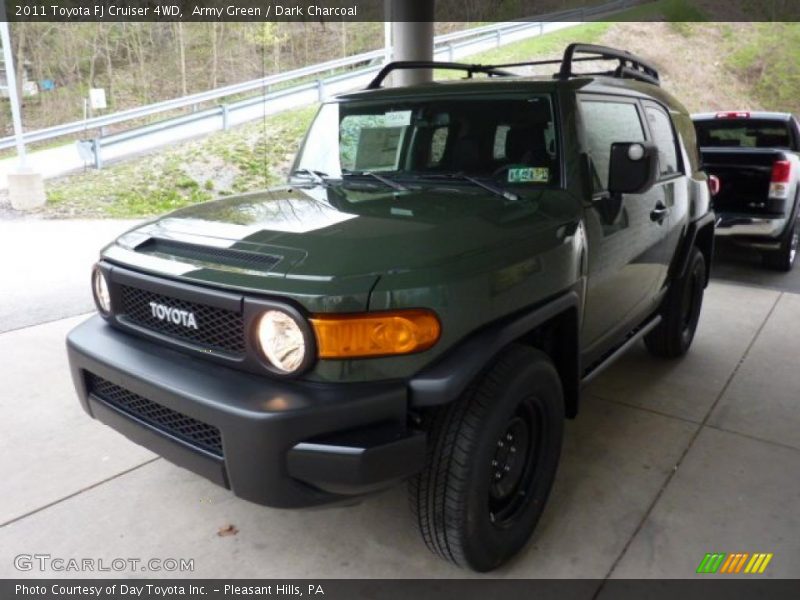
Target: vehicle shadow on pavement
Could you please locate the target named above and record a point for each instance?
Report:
(738, 264)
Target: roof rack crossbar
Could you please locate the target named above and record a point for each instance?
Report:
(538, 63)
(404, 65)
(630, 65)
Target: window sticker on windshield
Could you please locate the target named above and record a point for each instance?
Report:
(529, 175)
(399, 118)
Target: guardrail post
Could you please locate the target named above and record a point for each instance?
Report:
(321, 90)
(451, 52)
(541, 27)
(499, 35)
(98, 160)
(225, 117)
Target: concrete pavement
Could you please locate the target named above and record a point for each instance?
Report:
(666, 462)
(45, 267)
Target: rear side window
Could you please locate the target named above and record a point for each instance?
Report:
(664, 138)
(743, 133)
(607, 123)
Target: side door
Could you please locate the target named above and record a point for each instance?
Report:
(624, 235)
(672, 186)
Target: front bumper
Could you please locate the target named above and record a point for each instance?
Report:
(279, 443)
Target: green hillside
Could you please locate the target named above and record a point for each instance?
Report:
(709, 66)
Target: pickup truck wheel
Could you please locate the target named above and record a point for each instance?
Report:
(492, 457)
(783, 258)
(674, 335)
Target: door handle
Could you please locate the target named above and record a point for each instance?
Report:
(659, 213)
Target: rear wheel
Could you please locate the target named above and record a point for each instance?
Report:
(492, 458)
(674, 335)
(784, 257)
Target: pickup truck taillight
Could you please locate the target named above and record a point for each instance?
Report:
(781, 176)
(714, 185)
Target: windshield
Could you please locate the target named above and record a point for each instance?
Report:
(512, 141)
(745, 133)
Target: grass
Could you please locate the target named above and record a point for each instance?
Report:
(550, 45)
(250, 157)
(243, 159)
(666, 10)
(766, 59)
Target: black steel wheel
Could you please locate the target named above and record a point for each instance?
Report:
(492, 458)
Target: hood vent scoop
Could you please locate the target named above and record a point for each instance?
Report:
(242, 259)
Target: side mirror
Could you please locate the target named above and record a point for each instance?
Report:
(633, 167)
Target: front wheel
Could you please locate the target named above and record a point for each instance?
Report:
(674, 335)
(492, 457)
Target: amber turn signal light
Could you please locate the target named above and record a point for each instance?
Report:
(375, 334)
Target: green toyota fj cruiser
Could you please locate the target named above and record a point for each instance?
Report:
(449, 264)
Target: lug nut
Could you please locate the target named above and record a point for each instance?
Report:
(506, 468)
(512, 449)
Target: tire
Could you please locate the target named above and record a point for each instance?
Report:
(681, 313)
(492, 457)
(783, 259)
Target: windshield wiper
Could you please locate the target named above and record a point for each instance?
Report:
(511, 196)
(384, 180)
(317, 176)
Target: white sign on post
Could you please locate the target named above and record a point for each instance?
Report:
(97, 98)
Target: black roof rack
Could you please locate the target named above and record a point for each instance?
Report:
(630, 66)
(402, 65)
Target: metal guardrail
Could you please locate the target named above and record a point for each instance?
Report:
(363, 67)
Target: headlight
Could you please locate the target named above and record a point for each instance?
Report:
(282, 341)
(100, 289)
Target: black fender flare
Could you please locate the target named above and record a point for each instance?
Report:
(448, 377)
(681, 263)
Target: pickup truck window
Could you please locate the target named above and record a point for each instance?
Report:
(664, 138)
(511, 140)
(744, 133)
(606, 123)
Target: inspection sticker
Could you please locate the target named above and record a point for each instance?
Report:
(529, 175)
(398, 118)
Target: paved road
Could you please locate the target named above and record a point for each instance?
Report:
(45, 266)
(741, 265)
(666, 462)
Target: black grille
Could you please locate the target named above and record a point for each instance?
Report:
(190, 430)
(223, 256)
(217, 329)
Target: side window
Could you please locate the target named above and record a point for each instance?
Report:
(606, 123)
(500, 135)
(664, 138)
(438, 145)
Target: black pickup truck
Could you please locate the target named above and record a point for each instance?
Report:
(755, 157)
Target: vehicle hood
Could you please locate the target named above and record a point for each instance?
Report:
(319, 234)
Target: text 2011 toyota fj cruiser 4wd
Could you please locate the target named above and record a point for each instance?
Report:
(448, 265)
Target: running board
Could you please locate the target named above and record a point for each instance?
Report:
(609, 360)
